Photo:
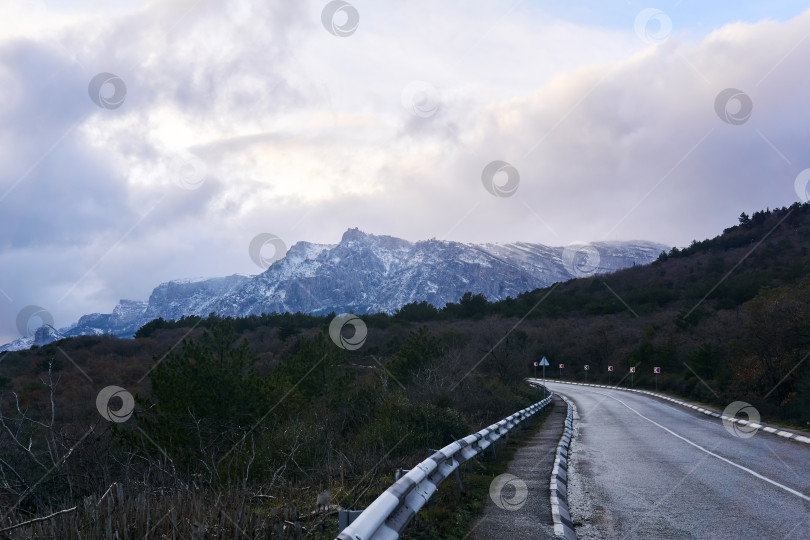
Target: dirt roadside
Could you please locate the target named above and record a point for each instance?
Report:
(532, 466)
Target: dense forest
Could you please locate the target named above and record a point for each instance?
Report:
(242, 422)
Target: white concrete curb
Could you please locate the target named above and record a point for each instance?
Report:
(767, 429)
(563, 526)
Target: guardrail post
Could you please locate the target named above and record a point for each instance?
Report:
(345, 518)
(458, 480)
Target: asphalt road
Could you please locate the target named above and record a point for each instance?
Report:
(645, 468)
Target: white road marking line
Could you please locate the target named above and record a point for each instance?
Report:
(786, 434)
(721, 458)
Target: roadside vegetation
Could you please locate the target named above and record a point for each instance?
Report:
(234, 432)
(239, 424)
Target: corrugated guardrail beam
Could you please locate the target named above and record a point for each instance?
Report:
(558, 484)
(387, 516)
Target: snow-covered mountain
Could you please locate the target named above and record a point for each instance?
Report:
(170, 300)
(44, 334)
(367, 273)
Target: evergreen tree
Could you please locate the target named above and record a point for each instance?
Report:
(204, 399)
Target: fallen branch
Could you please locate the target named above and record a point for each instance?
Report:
(109, 489)
(36, 520)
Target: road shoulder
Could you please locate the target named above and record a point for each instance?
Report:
(532, 465)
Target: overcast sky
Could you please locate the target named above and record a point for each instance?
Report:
(147, 141)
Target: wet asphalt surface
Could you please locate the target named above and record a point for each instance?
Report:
(634, 479)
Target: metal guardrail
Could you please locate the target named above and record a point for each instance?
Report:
(558, 484)
(387, 516)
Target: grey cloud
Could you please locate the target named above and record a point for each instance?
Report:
(55, 188)
(589, 145)
(592, 144)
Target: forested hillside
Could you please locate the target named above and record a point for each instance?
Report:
(725, 318)
(253, 414)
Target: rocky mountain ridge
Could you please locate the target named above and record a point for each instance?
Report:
(366, 273)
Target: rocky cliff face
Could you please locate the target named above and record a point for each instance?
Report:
(44, 334)
(170, 300)
(369, 273)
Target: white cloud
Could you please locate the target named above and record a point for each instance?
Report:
(303, 134)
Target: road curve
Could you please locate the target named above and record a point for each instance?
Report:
(646, 468)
